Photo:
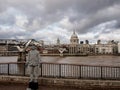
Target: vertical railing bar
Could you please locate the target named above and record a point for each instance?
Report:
(59, 70)
(71, 66)
(24, 68)
(8, 69)
(41, 69)
(83, 71)
(101, 72)
(0, 69)
(64, 69)
(80, 71)
(94, 72)
(105, 72)
(49, 70)
(112, 74)
(119, 73)
(115, 73)
(87, 71)
(109, 72)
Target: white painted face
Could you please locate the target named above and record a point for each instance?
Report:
(33, 47)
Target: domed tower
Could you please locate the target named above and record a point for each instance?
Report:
(74, 44)
(74, 38)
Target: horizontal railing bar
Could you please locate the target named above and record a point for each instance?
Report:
(111, 66)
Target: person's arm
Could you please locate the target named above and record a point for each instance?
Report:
(39, 58)
(28, 59)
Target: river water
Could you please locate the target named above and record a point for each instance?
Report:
(87, 60)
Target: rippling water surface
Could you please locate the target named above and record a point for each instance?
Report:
(89, 60)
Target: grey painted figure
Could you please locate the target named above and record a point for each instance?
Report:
(33, 63)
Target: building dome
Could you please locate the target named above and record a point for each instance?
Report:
(74, 38)
(74, 35)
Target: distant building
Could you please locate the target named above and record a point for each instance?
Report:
(75, 47)
(84, 48)
(119, 48)
(103, 49)
(74, 44)
(58, 42)
(41, 42)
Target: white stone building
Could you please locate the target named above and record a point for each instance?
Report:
(74, 44)
(103, 49)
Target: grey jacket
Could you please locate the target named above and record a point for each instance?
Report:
(34, 58)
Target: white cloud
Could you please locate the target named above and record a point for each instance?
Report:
(21, 21)
(51, 33)
(65, 23)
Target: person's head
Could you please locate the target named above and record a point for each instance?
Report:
(33, 47)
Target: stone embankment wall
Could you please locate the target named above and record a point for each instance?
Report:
(77, 83)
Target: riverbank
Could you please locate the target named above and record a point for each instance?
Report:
(57, 82)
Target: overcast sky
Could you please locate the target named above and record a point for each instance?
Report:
(51, 19)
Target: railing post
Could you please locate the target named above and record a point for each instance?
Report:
(101, 68)
(119, 74)
(80, 71)
(41, 69)
(24, 69)
(8, 69)
(59, 70)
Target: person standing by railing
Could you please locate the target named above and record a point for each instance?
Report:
(33, 63)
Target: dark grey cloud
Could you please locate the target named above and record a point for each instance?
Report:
(88, 13)
(51, 11)
(82, 15)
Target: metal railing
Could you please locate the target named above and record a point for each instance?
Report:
(64, 71)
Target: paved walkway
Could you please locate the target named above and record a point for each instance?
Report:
(23, 87)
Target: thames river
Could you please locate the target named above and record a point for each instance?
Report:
(85, 60)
